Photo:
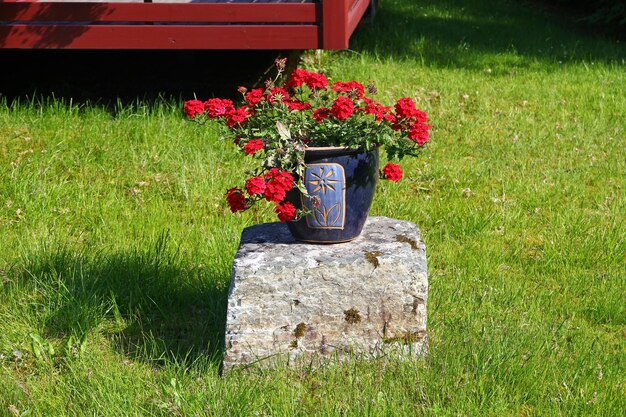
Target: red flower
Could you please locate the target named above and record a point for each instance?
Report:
(217, 107)
(392, 172)
(237, 116)
(283, 177)
(278, 183)
(277, 94)
(342, 108)
(254, 96)
(419, 133)
(236, 200)
(320, 114)
(286, 212)
(193, 107)
(298, 77)
(255, 185)
(421, 117)
(253, 146)
(274, 192)
(391, 118)
(297, 105)
(316, 81)
(313, 80)
(375, 108)
(349, 87)
(405, 109)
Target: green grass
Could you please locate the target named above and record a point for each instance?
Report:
(116, 245)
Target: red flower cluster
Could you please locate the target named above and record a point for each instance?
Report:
(419, 133)
(278, 95)
(193, 108)
(255, 185)
(277, 185)
(254, 96)
(313, 80)
(320, 114)
(378, 110)
(412, 119)
(342, 108)
(285, 211)
(215, 108)
(405, 108)
(295, 105)
(273, 187)
(392, 172)
(253, 146)
(275, 95)
(237, 116)
(350, 87)
(236, 200)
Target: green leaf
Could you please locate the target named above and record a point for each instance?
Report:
(282, 131)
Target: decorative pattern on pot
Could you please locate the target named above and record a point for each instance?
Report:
(340, 184)
(326, 186)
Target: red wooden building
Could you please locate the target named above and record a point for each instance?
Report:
(179, 24)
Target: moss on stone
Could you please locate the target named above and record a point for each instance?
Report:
(300, 329)
(405, 239)
(352, 316)
(372, 257)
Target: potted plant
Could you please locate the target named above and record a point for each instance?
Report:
(318, 145)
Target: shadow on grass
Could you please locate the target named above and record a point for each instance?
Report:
(113, 77)
(149, 303)
(468, 34)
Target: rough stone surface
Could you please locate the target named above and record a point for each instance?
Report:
(293, 301)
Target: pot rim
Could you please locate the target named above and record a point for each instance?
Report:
(334, 148)
(334, 151)
(329, 148)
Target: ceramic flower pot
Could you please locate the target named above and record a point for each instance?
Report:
(341, 184)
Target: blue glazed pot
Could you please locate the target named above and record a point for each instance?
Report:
(341, 183)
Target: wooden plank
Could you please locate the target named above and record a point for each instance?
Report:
(334, 24)
(167, 1)
(161, 1)
(72, 1)
(355, 14)
(159, 37)
(160, 12)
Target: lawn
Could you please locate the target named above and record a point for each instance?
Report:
(116, 243)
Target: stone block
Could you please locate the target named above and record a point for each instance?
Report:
(293, 301)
